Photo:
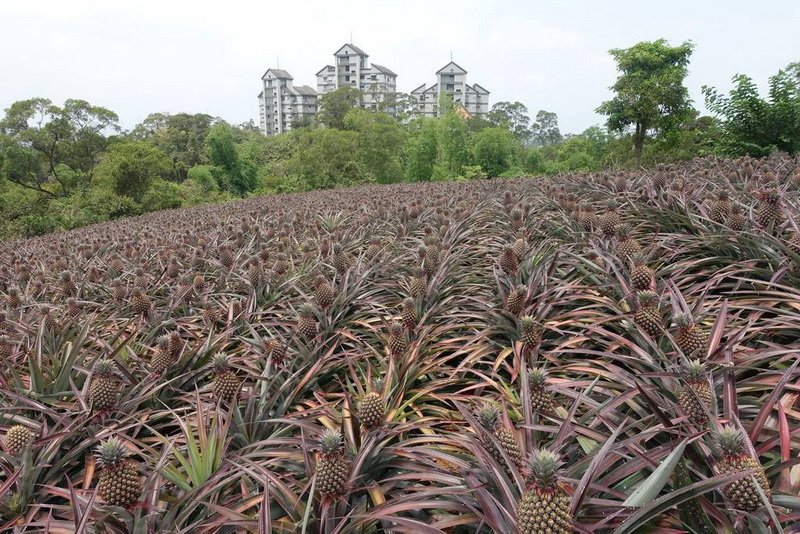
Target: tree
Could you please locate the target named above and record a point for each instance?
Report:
(239, 179)
(131, 167)
(181, 136)
(544, 131)
(334, 106)
(48, 148)
(514, 116)
(754, 125)
(453, 144)
(494, 150)
(421, 150)
(380, 141)
(650, 95)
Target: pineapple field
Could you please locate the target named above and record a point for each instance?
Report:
(602, 352)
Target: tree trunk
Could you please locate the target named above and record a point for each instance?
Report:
(638, 143)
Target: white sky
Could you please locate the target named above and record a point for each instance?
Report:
(141, 56)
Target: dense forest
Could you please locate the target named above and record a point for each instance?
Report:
(71, 165)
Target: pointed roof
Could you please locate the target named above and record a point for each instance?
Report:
(418, 89)
(278, 73)
(384, 70)
(325, 68)
(355, 49)
(452, 67)
(480, 89)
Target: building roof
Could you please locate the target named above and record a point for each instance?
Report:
(453, 64)
(418, 89)
(432, 89)
(356, 49)
(480, 89)
(325, 68)
(261, 95)
(278, 73)
(384, 69)
(305, 90)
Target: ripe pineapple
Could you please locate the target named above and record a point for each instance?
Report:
(17, 438)
(519, 245)
(530, 331)
(105, 388)
(341, 260)
(225, 256)
(333, 468)
(721, 207)
(544, 507)
(140, 303)
(689, 338)
(162, 359)
(13, 300)
(119, 483)
(6, 348)
(509, 261)
(489, 418)
(610, 220)
(737, 221)
(541, 398)
(642, 277)
(417, 284)
(732, 458)
(409, 314)
(695, 395)
(431, 255)
(372, 407)
(398, 344)
(627, 246)
(769, 209)
(226, 385)
(307, 321)
(323, 292)
(276, 350)
(647, 313)
(515, 301)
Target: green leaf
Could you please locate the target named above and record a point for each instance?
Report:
(652, 486)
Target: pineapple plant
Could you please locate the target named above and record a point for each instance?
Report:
(276, 350)
(732, 458)
(119, 483)
(542, 400)
(104, 390)
(688, 336)
(509, 261)
(6, 348)
(695, 395)
(162, 358)
(642, 277)
(332, 471)
(530, 331)
(544, 506)
(627, 246)
(417, 284)
(737, 221)
(721, 207)
(408, 312)
(140, 303)
(770, 211)
(490, 420)
(515, 301)
(226, 384)
(647, 314)
(17, 438)
(307, 321)
(341, 260)
(371, 409)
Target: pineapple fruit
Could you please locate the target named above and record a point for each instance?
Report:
(490, 420)
(371, 409)
(609, 221)
(307, 321)
(509, 261)
(408, 312)
(17, 438)
(732, 458)
(647, 314)
(721, 207)
(695, 395)
(515, 301)
(642, 277)
(541, 397)
(688, 336)
(226, 384)
(544, 506)
(627, 246)
(323, 292)
(119, 483)
(333, 468)
(398, 344)
(530, 332)
(105, 388)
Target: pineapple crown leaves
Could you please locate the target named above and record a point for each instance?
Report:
(489, 415)
(544, 467)
(537, 377)
(624, 232)
(104, 367)
(221, 362)
(647, 298)
(684, 320)
(638, 259)
(377, 384)
(729, 441)
(331, 442)
(396, 329)
(694, 371)
(408, 304)
(307, 310)
(529, 323)
(110, 452)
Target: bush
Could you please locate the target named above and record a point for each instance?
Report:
(162, 195)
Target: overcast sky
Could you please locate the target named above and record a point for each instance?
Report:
(143, 56)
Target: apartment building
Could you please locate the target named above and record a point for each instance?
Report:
(451, 80)
(282, 104)
(351, 68)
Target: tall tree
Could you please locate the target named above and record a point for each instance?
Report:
(131, 167)
(650, 95)
(544, 130)
(334, 106)
(514, 116)
(754, 125)
(181, 136)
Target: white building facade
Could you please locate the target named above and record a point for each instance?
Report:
(282, 104)
(351, 68)
(451, 80)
